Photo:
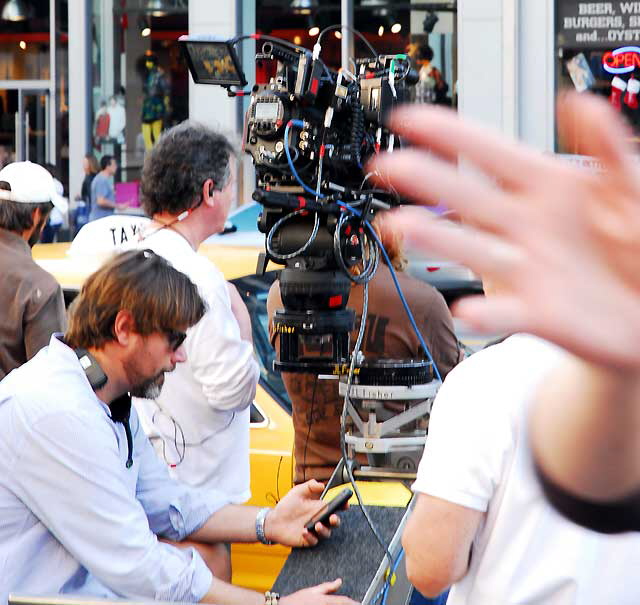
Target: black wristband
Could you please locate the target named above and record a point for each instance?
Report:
(605, 517)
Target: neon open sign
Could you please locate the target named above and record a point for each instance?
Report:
(622, 60)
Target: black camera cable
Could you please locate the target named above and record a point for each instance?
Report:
(279, 223)
(374, 52)
(369, 251)
(343, 421)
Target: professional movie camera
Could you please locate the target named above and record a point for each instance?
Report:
(310, 130)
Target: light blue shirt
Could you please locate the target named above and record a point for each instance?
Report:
(101, 186)
(73, 518)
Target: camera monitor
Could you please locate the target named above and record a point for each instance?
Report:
(212, 61)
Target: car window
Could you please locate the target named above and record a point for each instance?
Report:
(246, 217)
(254, 290)
(256, 415)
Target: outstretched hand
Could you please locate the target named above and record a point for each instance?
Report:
(560, 244)
(286, 523)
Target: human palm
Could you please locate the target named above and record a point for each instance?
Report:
(559, 244)
(286, 523)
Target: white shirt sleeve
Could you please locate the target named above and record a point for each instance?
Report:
(222, 363)
(70, 476)
(469, 438)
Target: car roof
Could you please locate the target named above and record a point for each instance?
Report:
(71, 270)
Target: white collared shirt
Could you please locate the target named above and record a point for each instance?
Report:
(73, 518)
(200, 421)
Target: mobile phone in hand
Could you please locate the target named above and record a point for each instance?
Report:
(328, 509)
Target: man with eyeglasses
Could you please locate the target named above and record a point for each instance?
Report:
(199, 425)
(87, 507)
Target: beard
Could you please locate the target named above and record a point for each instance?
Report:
(150, 388)
(37, 232)
(143, 385)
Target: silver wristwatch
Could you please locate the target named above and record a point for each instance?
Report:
(260, 519)
(271, 598)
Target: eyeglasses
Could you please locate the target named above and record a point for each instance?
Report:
(175, 339)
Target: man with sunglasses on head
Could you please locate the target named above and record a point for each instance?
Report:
(199, 425)
(30, 298)
(87, 507)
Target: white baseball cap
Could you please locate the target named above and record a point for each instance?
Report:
(30, 184)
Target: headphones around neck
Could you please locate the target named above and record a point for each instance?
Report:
(120, 408)
(94, 373)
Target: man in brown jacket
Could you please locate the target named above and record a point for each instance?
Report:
(30, 298)
(317, 406)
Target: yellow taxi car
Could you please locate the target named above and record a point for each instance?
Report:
(254, 566)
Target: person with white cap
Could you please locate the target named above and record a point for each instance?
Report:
(31, 299)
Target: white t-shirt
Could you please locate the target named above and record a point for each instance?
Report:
(477, 456)
(200, 423)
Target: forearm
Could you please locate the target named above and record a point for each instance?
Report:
(222, 593)
(103, 202)
(246, 333)
(231, 523)
(284, 524)
(584, 430)
(241, 313)
(437, 541)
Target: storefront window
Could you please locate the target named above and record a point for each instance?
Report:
(25, 98)
(389, 27)
(140, 79)
(598, 52)
(24, 56)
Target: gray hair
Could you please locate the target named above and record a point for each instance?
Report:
(180, 162)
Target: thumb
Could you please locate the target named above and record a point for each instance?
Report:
(328, 587)
(314, 487)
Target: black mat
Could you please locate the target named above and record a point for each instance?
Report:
(352, 553)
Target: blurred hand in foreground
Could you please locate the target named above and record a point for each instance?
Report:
(560, 244)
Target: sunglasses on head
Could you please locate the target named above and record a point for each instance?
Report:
(175, 339)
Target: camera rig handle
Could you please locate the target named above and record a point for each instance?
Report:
(273, 51)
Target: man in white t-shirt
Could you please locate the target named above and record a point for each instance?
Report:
(199, 425)
(481, 521)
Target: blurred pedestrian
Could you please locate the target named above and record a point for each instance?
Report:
(31, 299)
(90, 167)
(103, 196)
(431, 86)
(56, 217)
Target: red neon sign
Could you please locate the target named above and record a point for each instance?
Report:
(622, 60)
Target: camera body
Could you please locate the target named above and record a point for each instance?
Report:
(342, 119)
(310, 130)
